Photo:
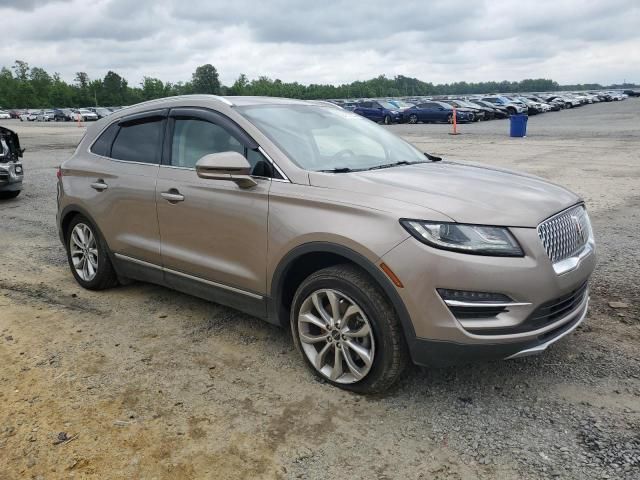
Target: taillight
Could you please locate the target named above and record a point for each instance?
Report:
(59, 173)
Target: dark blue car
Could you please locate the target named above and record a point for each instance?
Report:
(379, 111)
(435, 112)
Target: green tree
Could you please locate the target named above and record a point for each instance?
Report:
(114, 89)
(239, 86)
(205, 80)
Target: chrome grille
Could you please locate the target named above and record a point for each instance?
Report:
(565, 234)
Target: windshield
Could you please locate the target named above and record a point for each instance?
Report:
(401, 104)
(388, 106)
(323, 138)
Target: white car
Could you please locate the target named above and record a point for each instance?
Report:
(45, 116)
(4, 115)
(29, 116)
(87, 115)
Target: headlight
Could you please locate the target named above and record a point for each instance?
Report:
(473, 239)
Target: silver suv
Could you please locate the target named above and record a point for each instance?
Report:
(304, 214)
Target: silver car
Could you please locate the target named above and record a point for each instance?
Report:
(373, 253)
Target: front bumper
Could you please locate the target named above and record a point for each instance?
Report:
(440, 336)
(10, 179)
(443, 353)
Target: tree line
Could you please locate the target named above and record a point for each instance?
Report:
(22, 86)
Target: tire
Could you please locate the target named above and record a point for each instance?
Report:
(373, 317)
(104, 275)
(450, 118)
(413, 118)
(387, 120)
(8, 195)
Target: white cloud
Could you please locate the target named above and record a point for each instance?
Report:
(328, 42)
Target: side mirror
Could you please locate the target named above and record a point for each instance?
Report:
(226, 166)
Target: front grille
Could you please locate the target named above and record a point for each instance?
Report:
(565, 234)
(544, 315)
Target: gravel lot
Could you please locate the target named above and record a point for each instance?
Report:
(144, 382)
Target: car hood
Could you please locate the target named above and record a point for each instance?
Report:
(465, 192)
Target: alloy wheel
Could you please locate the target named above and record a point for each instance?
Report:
(336, 336)
(84, 252)
(413, 118)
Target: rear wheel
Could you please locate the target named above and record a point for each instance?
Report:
(87, 256)
(347, 331)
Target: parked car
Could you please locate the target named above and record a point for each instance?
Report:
(616, 96)
(314, 219)
(632, 93)
(379, 111)
(85, 115)
(101, 112)
(45, 116)
(550, 107)
(29, 116)
(16, 113)
(11, 173)
(479, 113)
(512, 107)
(432, 111)
(498, 110)
(63, 115)
(4, 115)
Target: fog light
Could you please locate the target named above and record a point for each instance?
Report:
(472, 297)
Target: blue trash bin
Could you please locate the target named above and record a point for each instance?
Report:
(519, 125)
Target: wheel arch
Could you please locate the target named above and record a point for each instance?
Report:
(303, 260)
(67, 215)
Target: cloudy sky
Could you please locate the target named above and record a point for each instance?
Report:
(328, 41)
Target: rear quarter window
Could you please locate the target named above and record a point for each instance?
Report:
(102, 146)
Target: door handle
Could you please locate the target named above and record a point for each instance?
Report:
(173, 196)
(99, 185)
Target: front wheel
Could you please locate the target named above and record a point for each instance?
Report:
(413, 118)
(387, 120)
(347, 331)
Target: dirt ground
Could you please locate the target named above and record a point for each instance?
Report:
(143, 382)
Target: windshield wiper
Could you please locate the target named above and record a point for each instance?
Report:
(433, 158)
(340, 170)
(394, 164)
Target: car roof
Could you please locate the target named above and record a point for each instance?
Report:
(231, 101)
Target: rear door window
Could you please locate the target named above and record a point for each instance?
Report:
(139, 141)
